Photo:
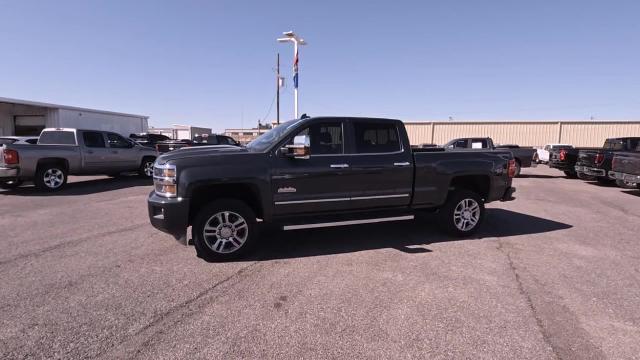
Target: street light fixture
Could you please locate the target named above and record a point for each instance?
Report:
(297, 41)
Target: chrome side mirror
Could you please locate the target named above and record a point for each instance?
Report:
(301, 148)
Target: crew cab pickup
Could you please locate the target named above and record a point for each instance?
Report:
(597, 163)
(625, 169)
(63, 152)
(318, 172)
(213, 139)
(524, 156)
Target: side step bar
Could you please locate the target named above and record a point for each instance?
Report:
(345, 223)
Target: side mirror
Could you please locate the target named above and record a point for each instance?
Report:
(300, 149)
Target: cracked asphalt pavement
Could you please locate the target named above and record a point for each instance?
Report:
(552, 275)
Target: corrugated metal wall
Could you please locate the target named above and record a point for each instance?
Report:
(533, 133)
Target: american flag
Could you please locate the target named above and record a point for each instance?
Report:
(295, 70)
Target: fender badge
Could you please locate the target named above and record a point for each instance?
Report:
(287, 190)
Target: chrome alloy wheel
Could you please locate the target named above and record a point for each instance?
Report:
(148, 168)
(53, 178)
(466, 214)
(225, 232)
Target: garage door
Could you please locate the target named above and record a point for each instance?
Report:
(29, 125)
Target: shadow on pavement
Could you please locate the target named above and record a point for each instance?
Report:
(407, 236)
(85, 187)
(632, 192)
(539, 176)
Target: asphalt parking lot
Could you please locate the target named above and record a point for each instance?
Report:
(554, 274)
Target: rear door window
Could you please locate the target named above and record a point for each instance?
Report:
(93, 139)
(376, 137)
(57, 138)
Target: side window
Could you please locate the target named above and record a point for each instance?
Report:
(459, 144)
(93, 139)
(325, 138)
(117, 141)
(376, 137)
(479, 144)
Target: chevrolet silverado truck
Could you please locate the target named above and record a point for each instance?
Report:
(625, 169)
(63, 152)
(524, 156)
(320, 172)
(597, 163)
(564, 158)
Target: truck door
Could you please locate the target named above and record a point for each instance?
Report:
(321, 183)
(382, 166)
(95, 154)
(124, 155)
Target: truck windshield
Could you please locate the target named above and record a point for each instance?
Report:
(264, 141)
(57, 138)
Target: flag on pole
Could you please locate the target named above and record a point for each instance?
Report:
(295, 70)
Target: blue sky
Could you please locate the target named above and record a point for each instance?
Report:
(211, 63)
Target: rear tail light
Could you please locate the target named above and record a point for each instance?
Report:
(599, 158)
(10, 157)
(563, 155)
(511, 170)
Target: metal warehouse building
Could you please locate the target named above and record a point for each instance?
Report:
(526, 133)
(28, 118)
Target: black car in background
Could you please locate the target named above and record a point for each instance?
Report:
(597, 163)
(148, 140)
(201, 140)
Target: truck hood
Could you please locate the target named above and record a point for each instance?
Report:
(198, 151)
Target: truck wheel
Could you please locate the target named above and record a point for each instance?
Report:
(146, 168)
(224, 230)
(50, 177)
(571, 174)
(10, 184)
(462, 214)
(626, 184)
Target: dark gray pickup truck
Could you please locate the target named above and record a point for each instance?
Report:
(319, 172)
(524, 156)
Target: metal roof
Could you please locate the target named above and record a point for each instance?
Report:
(66, 107)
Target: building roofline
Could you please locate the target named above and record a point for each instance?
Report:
(65, 107)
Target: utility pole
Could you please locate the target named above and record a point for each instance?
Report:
(290, 36)
(278, 90)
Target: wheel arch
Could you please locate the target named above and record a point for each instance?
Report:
(203, 194)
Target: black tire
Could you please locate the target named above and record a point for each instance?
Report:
(146, 167)
(604, 181)
(44, 177)
(518, 168)
(571, 174)
(626, 185)
(10, 184)
(219, 246)
(451, 222)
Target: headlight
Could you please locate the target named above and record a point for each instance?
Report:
(165, 180)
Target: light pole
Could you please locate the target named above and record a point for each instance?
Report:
(292, 37)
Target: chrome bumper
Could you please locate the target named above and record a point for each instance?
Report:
(631, 178)
(8, 172)
(590, 171)
(614, 175)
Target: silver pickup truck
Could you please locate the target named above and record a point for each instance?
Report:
(63, 152)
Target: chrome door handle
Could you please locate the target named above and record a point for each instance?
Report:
(406, 163)
(339, 166)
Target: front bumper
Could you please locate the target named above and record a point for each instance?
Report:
(508, 194)
(632, 178)
(10, 173)
(170, 215)
(591, 171)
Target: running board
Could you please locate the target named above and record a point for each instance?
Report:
(345, 223)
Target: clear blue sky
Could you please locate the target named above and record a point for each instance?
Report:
(210, 63)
